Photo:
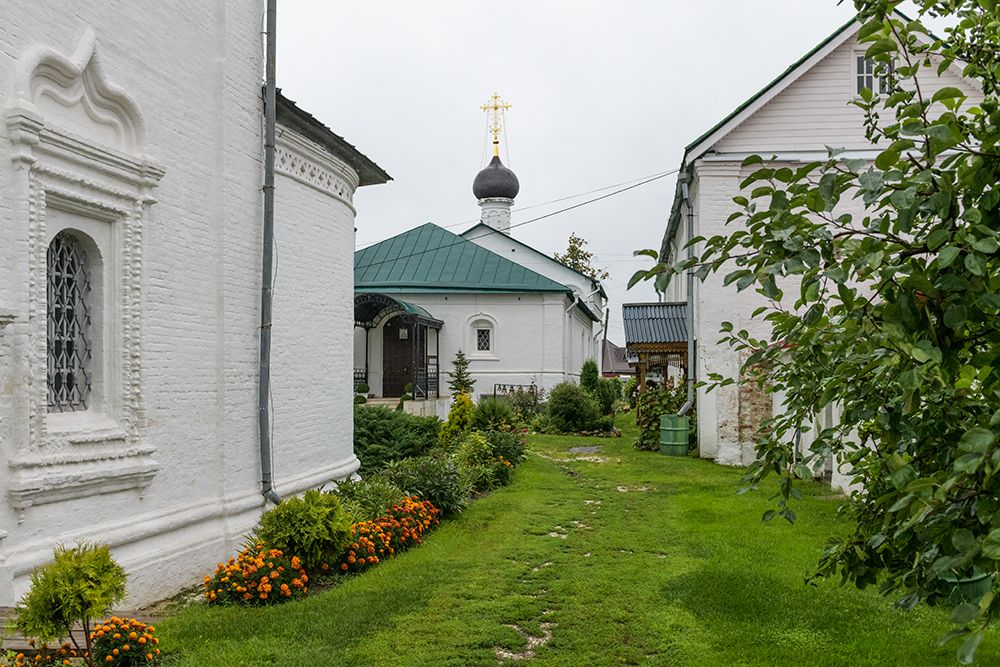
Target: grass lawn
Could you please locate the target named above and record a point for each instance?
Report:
(637, 559)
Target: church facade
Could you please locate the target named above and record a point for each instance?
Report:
(130, 289)
(524, 320)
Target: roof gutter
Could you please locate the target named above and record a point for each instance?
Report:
(674, 222)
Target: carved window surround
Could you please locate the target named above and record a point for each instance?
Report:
(300, 159)
(76, 142)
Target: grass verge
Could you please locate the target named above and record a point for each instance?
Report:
(614, 558)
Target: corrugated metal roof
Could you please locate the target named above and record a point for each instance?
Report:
(655, 322)
(430, 258)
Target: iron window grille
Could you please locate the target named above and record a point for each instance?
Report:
(69, 344)
(483, 340)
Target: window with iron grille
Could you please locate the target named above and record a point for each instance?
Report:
(483, 340)
(69, 341)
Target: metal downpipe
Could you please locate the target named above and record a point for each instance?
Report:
(267, 268)
(684, 178)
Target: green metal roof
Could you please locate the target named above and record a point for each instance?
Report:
(593, 281)
(431, 259)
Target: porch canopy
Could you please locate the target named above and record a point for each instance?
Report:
(407, 357)
(370, 308)
(656, 338)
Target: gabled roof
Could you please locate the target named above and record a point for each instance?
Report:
(432, 259)
(614, 361)
(655, 323)
(291, 116)
(596, 283)
(706, 141)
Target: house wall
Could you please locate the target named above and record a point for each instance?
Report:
(164, 466)
(536, 340)
(816, 111)
(506, 246)
(811, 113)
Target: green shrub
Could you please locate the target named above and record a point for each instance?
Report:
(541, 423)
(459, 421)
(493, 413)
(527, 403)
(657, 400)
(607, 393)
(382, 435)
(589, 376)
(435, 479)
(368, 498)
(314, 527)
(632, 392)
(570, 408)
(482, 469)
(511, 445)
(80, 584)
(604, 424)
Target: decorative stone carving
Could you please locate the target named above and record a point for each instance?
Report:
(78, 140)
(296, 157)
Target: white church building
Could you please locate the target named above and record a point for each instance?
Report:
(130, 288)
(522, 318)
(794, 119)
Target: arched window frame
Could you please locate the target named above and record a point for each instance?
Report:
(482, 322)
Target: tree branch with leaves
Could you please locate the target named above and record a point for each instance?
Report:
(895, 317)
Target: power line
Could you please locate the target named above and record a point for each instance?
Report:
(526, 222)
(544, 203)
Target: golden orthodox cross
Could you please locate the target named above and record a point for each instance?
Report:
(495, 108)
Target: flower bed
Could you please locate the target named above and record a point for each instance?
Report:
(257, 576)
(402, 527)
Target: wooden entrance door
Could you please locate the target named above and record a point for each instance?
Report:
(397, 357)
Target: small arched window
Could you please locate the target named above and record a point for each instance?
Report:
(483, 337)
(69, 315)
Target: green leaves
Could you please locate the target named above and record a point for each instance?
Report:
(881, 324)
(976, 440)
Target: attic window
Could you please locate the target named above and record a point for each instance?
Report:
(865, 73)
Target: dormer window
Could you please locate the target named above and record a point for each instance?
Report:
(865, 73)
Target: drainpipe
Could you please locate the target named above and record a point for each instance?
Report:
(267, 271)
(684, 179)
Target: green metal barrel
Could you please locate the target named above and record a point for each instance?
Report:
(673, 435)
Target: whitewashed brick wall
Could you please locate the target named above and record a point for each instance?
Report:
(194, 71)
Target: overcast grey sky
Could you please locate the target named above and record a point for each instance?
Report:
(601, 93)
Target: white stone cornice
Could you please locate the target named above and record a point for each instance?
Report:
(303, 161)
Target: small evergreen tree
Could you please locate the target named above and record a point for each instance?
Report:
(460, 381)
(588, 375)
(459, 420)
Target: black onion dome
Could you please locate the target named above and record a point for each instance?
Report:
(495, 180)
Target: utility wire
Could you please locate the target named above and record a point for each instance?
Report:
(546, 203)
(525, 222)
